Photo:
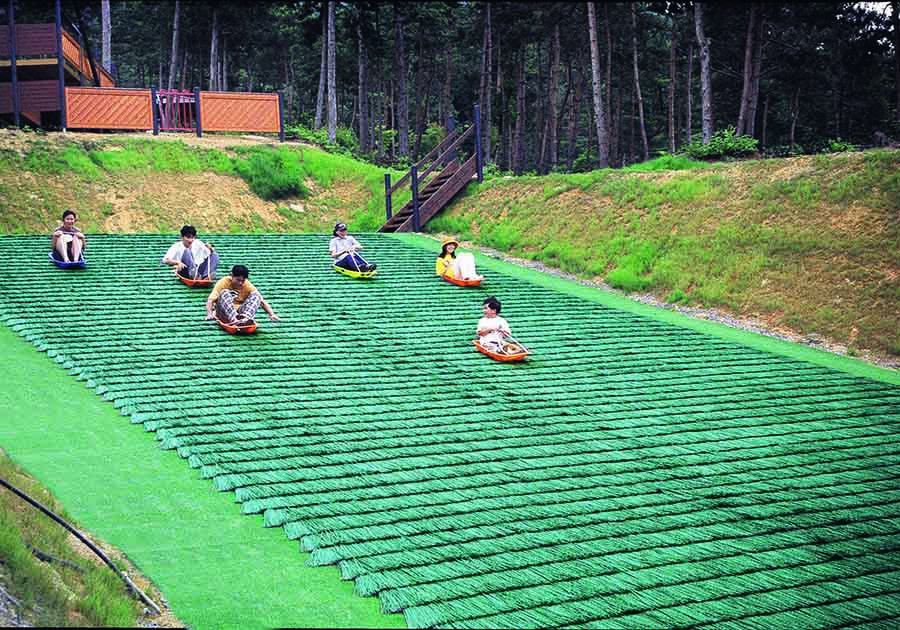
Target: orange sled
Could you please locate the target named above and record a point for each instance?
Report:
(461, 282)
(245, 328)
(512, 356)
(196, 282)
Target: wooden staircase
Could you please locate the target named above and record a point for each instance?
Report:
(431, 196)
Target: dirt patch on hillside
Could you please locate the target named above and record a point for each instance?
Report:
(213, 201)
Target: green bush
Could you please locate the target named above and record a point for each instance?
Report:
(273, 173)
(724, 144)
(838, 146)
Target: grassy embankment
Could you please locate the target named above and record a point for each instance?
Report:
(146, 185)
(77, 592)
(810, 244)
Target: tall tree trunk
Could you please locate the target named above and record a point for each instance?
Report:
(173, 63)
(795, 112)
(363, 87)
(748, 71)
(765, 120)
(574, 115)
(486, 84)
(706, 103)
(332, 85)
(599, 117)
(552, 123)
(689, 101)
(223, 79)
(400, 99)
(756, 70)
(637, 83)
(607, 98)
(214, 53)
(895, 18)
(446, 108)
(323, 70)
(184, 69)
(518, 157)
(671, 93)
(419, 88)
(106, 28)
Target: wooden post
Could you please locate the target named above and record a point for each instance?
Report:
(61, 63)
(197, 110)
(154, 110)
(387, 195)
(415, 197)
(281, 116)
(12, 64)
(479, 166)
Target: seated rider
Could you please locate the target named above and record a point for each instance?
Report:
(67, 241)
(191, 257)
(343, 248)
(453, 266)
(235, 301)
(493, 329)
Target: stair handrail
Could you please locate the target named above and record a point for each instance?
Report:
(440, 160)
(419, 164)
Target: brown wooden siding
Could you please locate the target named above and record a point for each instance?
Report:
(31, 40)
(108, 108)
(236, 111)
(35, 96)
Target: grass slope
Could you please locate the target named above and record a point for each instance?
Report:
(633, 473)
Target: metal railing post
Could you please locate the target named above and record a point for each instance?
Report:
(12, 64)
(281, 116)
(154, 109)
(61, 64)
(415, 197)
(479, 166)
(387, 195)
(197, 110)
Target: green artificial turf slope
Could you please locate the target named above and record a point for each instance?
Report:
(632, 473)
(217, 568)
(800, 352)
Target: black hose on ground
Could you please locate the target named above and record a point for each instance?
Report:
(124, 577)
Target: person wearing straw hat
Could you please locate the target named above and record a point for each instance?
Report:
(343, 248)
(450, 264)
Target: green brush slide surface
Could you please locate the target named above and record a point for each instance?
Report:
(631, 474)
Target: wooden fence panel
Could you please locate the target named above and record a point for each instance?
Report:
(36, 96)
(31, 40)
(239, 111)
(108, 108)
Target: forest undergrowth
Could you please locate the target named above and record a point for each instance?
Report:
(809, 244)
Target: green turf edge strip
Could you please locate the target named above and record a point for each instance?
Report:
(217, 567)
(612, 300)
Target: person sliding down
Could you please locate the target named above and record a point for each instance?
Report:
(191, 257)
(343, 248)
(493, 329)
(67, 241)
(235, 301)
(453, 266)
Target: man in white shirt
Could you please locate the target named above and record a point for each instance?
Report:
(191, 257)
(343, 248)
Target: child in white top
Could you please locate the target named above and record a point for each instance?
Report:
(191, 257)
(492, 329)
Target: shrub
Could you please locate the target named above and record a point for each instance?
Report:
(273, 173)
(838, 146)
(724, 144)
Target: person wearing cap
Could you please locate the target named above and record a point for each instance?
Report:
(453, 266)
(234, 299)
(343, 248)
